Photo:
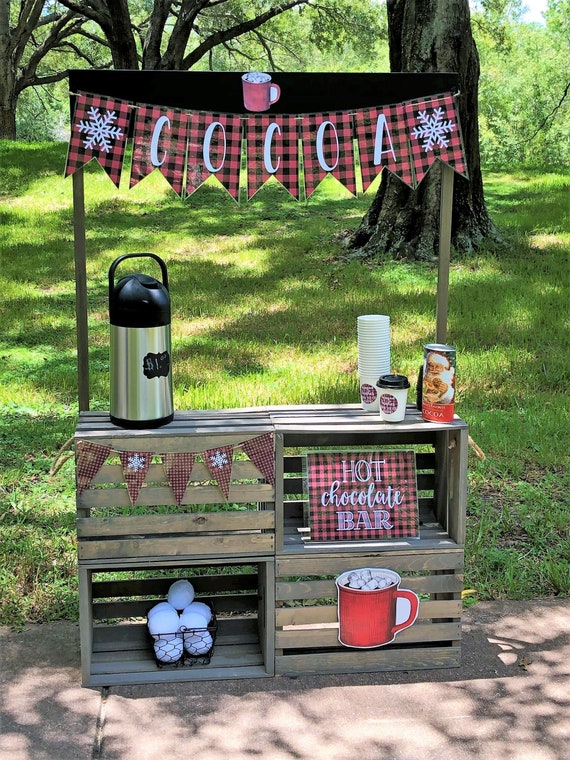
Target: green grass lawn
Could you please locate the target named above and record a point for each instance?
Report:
(264, 312)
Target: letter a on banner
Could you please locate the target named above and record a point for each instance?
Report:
(327, 149)
(272, 151)
(99, 130)
(434, 132)
(214, 147)
(160, 143)
(383, 143)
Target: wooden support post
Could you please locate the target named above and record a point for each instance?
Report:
(446, 210)
(81, 291)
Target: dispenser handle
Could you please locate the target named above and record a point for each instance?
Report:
(118, 260)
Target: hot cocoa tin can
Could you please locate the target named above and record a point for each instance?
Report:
(438, 383)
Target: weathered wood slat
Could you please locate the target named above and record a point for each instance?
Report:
(238, 544)
(204, 585)
(369, 661)
(154, 525)
(151, 496)
(325, 637)
(406, 560)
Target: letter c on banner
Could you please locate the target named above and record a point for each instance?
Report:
(160, 123)
(207, 141)
(270, 168)
(320, 154)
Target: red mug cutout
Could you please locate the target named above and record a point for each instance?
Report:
(367, 618)
(259, 92)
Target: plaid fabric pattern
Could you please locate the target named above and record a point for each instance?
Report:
(219, 463)
(178, 468)
(352, 495)
(135, 467)
(261, 451)
(214, 147)
(331, 145)
(89, 458)
(434, 132)
(171, 145)
(99, 130)
(276, 147)
(382, 143)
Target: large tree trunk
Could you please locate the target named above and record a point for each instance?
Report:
(403, 223)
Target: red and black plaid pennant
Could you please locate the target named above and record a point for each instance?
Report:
(160, 143)
(382, 143)
(272, 151)
(261, 451)
(135, 467)
(362, 495)
(90, 457)
(434, 132)
(219, 463)
(214, 147)
(327, 149)
(178, 468)
(99, 130)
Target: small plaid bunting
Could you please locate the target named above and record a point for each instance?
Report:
(261, 452)
(327, 149)
(178, 468)
(99, 130)
(214, 147)
(362, 495)
(382, 143)
(219, 463)
(90, 457)
(272, 151)
(160, 143)
(434, 132)
(135, 467)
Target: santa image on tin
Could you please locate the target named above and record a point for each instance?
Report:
(438, 379)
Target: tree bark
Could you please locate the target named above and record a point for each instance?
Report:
(402, 222)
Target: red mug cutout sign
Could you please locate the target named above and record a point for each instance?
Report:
(259, 92)
(368, 607)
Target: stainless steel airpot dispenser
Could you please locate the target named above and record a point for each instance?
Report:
(140, 365)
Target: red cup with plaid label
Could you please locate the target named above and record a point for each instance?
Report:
(392, 397)
(372, 608)
(259, 92)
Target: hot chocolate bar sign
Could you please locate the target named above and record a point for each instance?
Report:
(188, 147)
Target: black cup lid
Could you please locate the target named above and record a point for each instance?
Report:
(393, 381)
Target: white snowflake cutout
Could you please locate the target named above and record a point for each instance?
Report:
(100, 129)
(433, 129)
(219, 460)
(136, 463)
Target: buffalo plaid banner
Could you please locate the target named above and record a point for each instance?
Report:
(135, 467)
(272, 151)
(160, 143)
(99, 130)
(261, 451)
(214, 147)
(219, 463)
(383, 143)
(89, 458)
(362, 495)
(178, 468)
(327, 149)
(434, 132)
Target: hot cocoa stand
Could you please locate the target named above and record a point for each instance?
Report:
(230, 498)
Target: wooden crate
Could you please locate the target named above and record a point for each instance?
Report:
(110, 529)
(306, 638)
(441, 464)
(117, 649)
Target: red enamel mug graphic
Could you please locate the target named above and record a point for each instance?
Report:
(259, 92)
(370, 604)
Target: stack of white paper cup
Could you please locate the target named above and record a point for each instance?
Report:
(373, 356)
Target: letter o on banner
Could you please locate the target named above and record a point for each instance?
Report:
(320, 153)
(207, 141)
(160, 123)
(269, 167)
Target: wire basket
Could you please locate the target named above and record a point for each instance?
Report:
(185, 647)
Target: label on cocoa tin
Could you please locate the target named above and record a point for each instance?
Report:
(438, 384)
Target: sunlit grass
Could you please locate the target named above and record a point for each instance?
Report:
(264, 312)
